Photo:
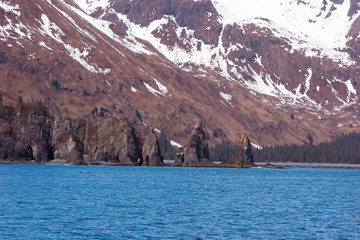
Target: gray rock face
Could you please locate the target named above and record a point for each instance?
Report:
(112, 141)
(28, 133)
(66, 144)
(151, 151)
(196, 152)
(244, 156)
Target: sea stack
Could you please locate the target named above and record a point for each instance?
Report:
(196, 152)
(243, 158)
(151, 151)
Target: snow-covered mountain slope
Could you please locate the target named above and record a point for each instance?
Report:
(323, 23)
(283, 49)
(168, 64)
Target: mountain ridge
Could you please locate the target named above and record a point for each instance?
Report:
(98, 66)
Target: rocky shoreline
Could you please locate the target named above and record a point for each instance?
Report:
(29, 134)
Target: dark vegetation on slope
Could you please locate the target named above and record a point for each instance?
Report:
(344, 149)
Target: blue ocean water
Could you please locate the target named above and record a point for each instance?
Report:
(98, 202)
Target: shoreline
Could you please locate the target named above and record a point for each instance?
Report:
(168, 163)
(312, 165)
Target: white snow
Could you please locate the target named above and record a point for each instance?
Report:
(175, 144)
(304, 18)
(55, 32)
(152, 90)
(89, 6)
(133, 89)
(13, 29)
(226, 96)
(104, 26)
(9, 8)
(44, 45)
(80, 30)
(161, 87)
(256, 146)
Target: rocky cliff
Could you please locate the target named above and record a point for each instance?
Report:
(243, 157)
(29, 134)
(151, 152)
(67, 144)
(25, 133)
(196, 152)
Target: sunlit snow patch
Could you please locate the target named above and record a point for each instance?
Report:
(175, 144)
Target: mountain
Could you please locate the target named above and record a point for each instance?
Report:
(276, 70)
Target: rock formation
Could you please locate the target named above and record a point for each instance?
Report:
(29, 133)
(243, 158)
(25, 133)
(66, 144)
(151, 151)
(111, 141)
(196, 152)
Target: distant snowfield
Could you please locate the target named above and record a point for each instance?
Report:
(308, 18)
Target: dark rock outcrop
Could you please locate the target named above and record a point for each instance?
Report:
(244, 157)
(151, 151)
(25, 133)
(29, 133)
(111, 141)
(66, 144)
(196, 152)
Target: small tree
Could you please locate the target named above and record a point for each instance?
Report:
(309, 137)
(1, 98)
(292, 116)
(20, 101)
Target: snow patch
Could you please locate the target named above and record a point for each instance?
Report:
(13, 29)
(44, 45)
(175, 144)
(51, 29)
(161, 87)
(9, 8)
(226, 96)
(256, 146)
(90, 6)
(129, 41)
(152, 90)
(133, 89)
(304, 18)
